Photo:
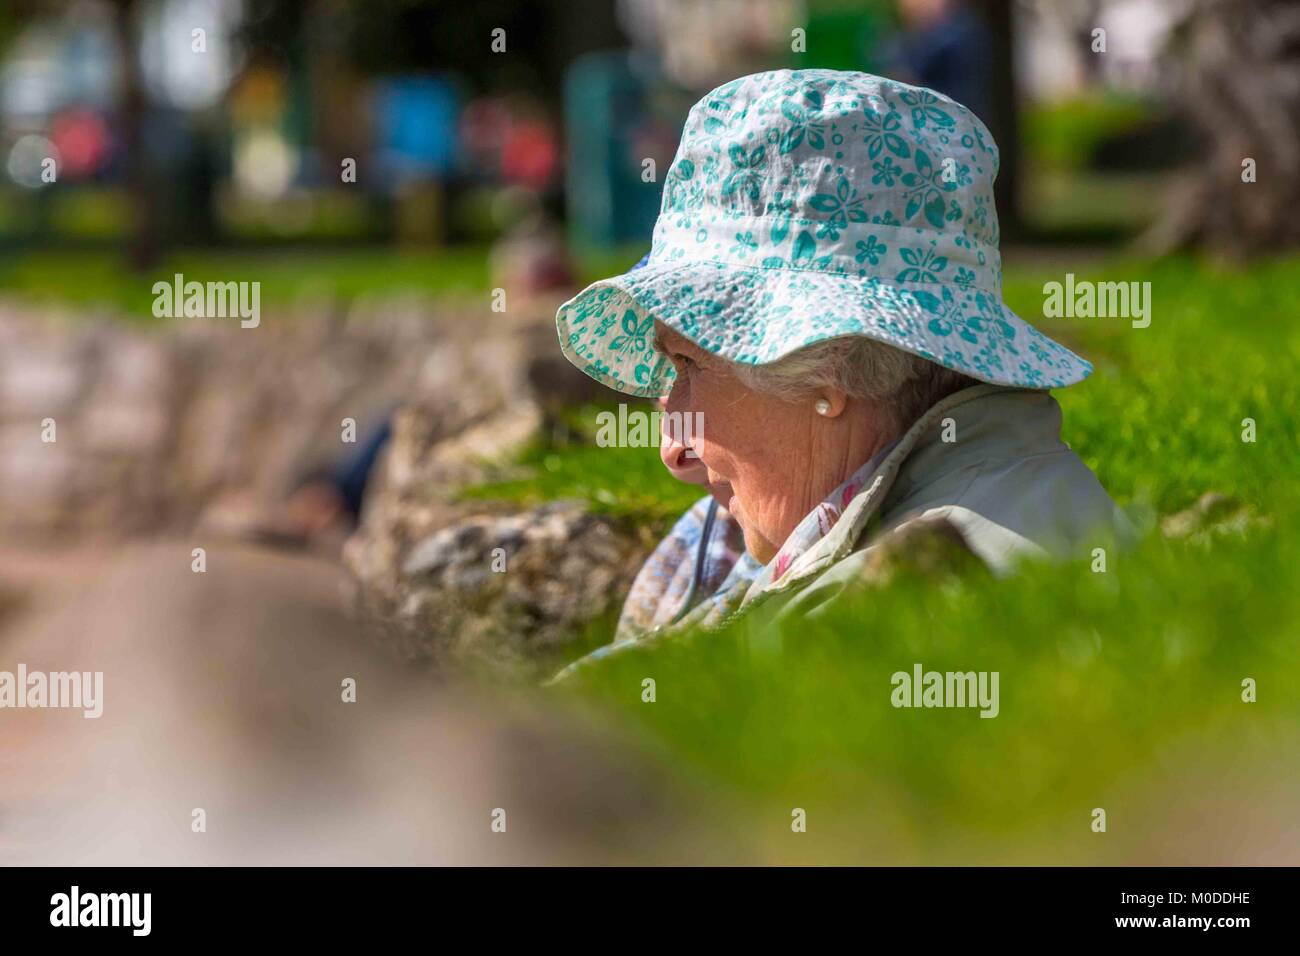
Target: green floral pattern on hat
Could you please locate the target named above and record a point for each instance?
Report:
(812, 204)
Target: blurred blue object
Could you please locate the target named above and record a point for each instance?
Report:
(618, 112)
(415, 126)
(351, 473)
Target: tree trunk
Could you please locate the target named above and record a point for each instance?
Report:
(1004, 113)
(1240, 75)
(143, 249)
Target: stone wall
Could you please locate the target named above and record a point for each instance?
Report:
(201, 428)
(161, 428)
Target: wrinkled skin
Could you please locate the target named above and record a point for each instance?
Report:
(769, 460)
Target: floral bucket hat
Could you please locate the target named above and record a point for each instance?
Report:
(813, 204)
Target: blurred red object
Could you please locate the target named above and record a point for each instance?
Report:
(82, 139)
(530, 155)
(508, 140)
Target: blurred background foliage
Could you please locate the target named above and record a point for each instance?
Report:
(166, 140)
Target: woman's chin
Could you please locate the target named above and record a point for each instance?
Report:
(755, 543)
(758, 547)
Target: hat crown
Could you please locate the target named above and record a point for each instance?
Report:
(837, 152)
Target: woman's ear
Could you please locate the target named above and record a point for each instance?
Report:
(830, 403)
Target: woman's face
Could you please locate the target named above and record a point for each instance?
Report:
(681, 460)
(772, 461)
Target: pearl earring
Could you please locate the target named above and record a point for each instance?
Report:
(823, 407)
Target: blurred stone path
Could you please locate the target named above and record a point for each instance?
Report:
(223, 692)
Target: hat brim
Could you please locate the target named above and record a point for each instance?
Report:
(757, 315)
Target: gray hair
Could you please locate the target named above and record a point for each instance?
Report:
(901, 385)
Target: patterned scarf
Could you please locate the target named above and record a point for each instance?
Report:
(701, 573)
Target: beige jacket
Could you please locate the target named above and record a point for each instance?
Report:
(990, 461)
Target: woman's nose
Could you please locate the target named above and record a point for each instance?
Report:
(675, 400)
(667, 440)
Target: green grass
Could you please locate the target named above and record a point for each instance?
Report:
(1081, 202)
(568, 463)
(1119, 690)
(100, 278)
(1063, 134)
(1061, 193)
(1160, 419)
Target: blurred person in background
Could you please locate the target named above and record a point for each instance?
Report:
(943, 45)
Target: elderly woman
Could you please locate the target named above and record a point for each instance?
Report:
(824, 288)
